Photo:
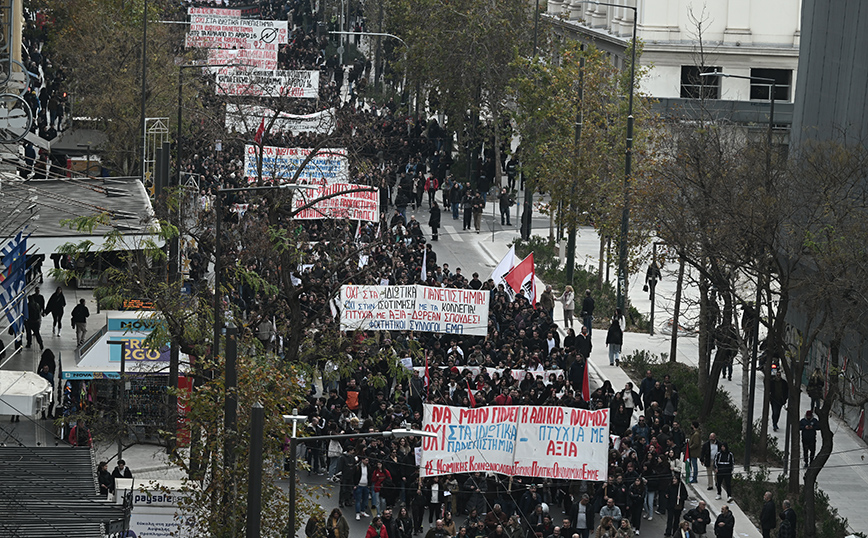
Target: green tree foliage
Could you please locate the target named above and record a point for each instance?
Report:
(99, 43)
(584, 175)
(462, 52)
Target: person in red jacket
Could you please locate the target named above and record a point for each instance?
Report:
(376, 529)
(378, 476)
(79, 435)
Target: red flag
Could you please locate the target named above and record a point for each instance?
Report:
(586, 385)
(523, 277)
(860, 428)
(259, 132)
(470, 395)
(427, 380)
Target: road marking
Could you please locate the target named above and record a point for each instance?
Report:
(453, 233)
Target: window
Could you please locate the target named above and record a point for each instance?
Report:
(694, 86)
(759, 91)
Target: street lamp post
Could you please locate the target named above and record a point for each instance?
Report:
(295, 418)
(628, 162)
(748, 444)
(121, 396)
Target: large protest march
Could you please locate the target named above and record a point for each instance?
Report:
(480, 361)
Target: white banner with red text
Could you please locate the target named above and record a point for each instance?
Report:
(535, 441)
(242, 80)
(338, 201)
(414, 308)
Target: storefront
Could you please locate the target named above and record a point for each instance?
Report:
(90, 378)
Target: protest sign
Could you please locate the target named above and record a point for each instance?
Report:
(280, 164)
(535, 441)
(414, 308)
(267, 83)
(246, 118)
(221, 32)
(562, 442)
(469, 440)
(215, 12)
(262, 58)
(355, 204)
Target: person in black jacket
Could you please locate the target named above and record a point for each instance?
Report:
(699, 519)
(583, 343)
(614, 339)
(673, 501)
(588, 311)
(122, 471)
(767, 516)
(55, 306)
(724, 464)
(79, 320)
(434, 220)
(725, 523)
(105, 480)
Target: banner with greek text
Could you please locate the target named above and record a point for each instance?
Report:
(540, 442)
(215, 12)
(303, 84)
(246, 118)
(329, 166)
(339, 201)
(262, 58)
(414, 308)
(222, 32)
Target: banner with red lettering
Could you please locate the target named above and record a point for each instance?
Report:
(338, 201)
(414, 308)
(540, 442)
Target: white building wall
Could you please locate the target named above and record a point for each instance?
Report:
(737, 35)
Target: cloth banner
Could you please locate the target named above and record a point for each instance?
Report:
(329, 166)
(414, 308)
(262, 58)
(215, 12)
(221, 32)
(540, 442)
(303, 84)
(354, 204)
(244, 118)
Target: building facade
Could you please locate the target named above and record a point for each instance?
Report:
(682, 38)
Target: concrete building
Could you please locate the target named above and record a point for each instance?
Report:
(758, 38)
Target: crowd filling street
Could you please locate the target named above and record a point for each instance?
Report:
(526, 358)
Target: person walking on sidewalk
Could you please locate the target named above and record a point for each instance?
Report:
(699, 518)
(79, 320)
(568, 299)
(35, 311)
(467, 205)
(478, 208)
(506, 202)
(587, 311)
(768, 519)
(614, 339)
(707, 456)
(725, 523)
(694, 448)
(724, 464)
(55, 306)
(808, 426)
(779, 391)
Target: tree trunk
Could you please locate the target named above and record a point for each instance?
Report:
(794, 380)
(673, 346)
(600, 261)
(703, 363)
(826, 448)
